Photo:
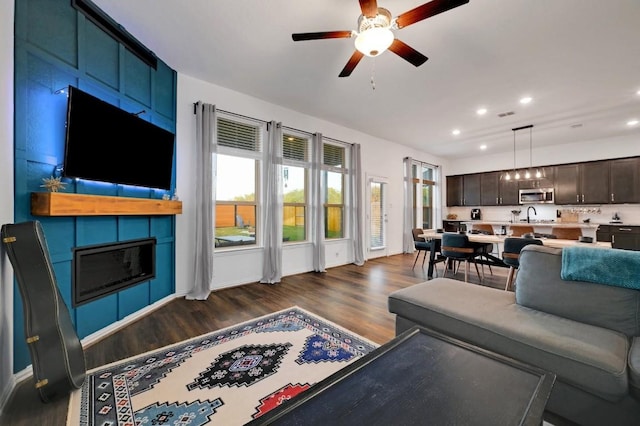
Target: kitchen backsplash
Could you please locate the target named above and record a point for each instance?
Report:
(629, 213)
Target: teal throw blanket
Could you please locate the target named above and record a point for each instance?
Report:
(602, 266)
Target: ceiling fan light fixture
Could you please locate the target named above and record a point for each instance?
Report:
(374, 41)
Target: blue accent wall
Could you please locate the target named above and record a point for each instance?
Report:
(56, 46)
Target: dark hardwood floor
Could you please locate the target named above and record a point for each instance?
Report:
(354, 297)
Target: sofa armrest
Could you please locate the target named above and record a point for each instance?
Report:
(634, 368)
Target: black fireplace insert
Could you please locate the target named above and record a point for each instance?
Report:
(103, 269)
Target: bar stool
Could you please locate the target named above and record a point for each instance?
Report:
(520, 230)
(572, 233)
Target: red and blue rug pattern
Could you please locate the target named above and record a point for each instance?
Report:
(228, 377)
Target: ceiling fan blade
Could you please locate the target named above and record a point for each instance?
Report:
(321, 35)
(407, 53)
(353, 61)
(369, 8)
(427, 10)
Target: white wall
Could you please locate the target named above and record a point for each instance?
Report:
(6, 195)
(627, 146)
(379, 157)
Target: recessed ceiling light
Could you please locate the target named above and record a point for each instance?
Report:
(632, 122)
(526, 100)
(483, 147)
(455, 132)
(638, 92)
(481, 111)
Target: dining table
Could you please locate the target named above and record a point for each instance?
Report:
(431, 236)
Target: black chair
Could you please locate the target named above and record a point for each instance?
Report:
(422, 245)
(458, 248)
(511, 255)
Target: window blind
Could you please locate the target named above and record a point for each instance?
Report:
(333, 155)
(295, 148)
(233, 134)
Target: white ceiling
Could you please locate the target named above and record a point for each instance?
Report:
(578, 59)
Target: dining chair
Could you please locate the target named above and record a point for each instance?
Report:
(572, 233)
(422, 245)
(486, 229)
(458, 248)
(520, 230)
(511, 255)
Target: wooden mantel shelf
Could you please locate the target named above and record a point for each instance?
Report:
(67, 204)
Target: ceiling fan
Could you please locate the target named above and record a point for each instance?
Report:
(374, 34)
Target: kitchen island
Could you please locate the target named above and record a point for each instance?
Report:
(539, 226)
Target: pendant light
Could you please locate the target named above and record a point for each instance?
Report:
(514, 174)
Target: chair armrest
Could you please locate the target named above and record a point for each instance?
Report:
(634, 368)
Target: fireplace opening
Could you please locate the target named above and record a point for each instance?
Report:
(103, 269)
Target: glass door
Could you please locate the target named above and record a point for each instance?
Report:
(377, 217)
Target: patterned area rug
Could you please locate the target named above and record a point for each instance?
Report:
(228, 377)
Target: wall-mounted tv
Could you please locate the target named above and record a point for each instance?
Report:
(105, 143)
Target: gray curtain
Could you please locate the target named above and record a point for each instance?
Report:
(407, 236)
(204, 170)
(272, 261)
(357, 214)
(317, 205)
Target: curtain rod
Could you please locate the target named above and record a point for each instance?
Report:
(195, 105)
(423, 162)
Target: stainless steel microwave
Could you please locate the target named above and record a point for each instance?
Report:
(536, 196)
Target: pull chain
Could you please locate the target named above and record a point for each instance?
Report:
(373, 74)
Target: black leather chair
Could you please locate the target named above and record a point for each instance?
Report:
(458, 248)
(421, 245)
(511, 255)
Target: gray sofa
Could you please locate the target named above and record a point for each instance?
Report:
(586, 333)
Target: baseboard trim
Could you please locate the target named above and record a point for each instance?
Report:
(94, 338)
(89, 340)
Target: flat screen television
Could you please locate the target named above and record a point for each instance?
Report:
(107, 144)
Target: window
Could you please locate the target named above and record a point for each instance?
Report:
(237, 182)
(295, 171)
(424, 184)
(333, 174)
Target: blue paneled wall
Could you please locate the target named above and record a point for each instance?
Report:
(56, 46)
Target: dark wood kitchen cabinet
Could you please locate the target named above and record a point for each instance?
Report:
(621, 236)
(471, 190)
(454, 191)
(495, 191)
(463, 190)
(582, 183)
(490, 189)
(624, 182)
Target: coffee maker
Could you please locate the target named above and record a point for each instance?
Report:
(475, 214)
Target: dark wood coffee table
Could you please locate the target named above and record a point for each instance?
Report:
(423, 377)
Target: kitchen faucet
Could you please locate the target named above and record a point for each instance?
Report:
(534, 212)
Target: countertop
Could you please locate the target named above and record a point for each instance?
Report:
(538, 224)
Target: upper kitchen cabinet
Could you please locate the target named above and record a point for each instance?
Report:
(490, 189)
(454, 191)
(583, 183)
(496, 191)
(544, 181)
(624, 182)
(471, 190)
(463, 190)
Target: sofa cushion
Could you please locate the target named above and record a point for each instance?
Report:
(539, 286)
(585, 356)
